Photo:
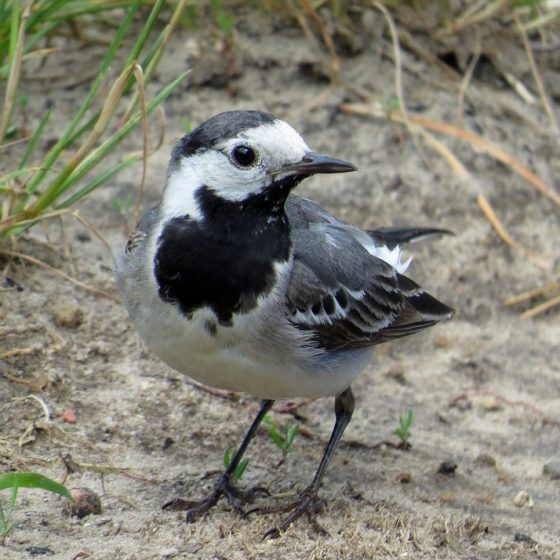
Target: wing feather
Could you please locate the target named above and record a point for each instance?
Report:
(342, 293)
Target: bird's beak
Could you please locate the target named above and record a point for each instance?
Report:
(312, 163)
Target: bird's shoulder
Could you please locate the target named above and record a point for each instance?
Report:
(138, 237)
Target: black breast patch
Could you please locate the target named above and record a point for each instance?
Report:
(225, 261)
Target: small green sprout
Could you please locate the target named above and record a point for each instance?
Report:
(282, 435)
(390, 104)
(187, 125)
(403, 431)
(238, 472)
(15, 481)
(123, 205)
(225, 21)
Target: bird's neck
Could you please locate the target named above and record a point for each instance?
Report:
(266, 205)
(256, 213)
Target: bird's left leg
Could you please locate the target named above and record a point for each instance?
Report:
(308, 501)
(224, 486)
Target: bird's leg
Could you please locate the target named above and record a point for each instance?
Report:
(308, 501)
(224, 485)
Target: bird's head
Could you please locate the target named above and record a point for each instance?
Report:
(237, 155)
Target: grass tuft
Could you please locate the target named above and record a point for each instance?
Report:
(40, 185)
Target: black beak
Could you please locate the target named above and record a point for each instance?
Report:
(312, 163)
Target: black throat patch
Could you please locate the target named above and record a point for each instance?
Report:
(226, 261)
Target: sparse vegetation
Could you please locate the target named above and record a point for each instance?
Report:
(240, 469)
(14, 481)
(403, 431)
(283, 435)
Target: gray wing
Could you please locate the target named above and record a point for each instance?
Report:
(344, 295)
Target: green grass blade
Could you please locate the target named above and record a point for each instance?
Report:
(109, 145)
(28, 45)
(227, 458)
(73, 9)
(16, 480)
(35, 139)
(3, 521)
(291, 433)
(13, 175)
(15, 54)
(14, 29)
(241, 468)
(63, 142)
(276, 438)
(99, 180)
(43, 10)
(13, 498)
(146, 30)
(84, 191)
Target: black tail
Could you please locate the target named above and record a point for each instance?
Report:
(396, 236)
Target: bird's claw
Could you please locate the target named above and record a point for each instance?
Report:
(308, 504)
(236, 498)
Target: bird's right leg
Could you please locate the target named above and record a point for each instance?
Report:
(307, 502)
(224, 486)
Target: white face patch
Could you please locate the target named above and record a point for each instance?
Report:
(276, 144)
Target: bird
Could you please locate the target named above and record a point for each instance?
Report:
(242, 285)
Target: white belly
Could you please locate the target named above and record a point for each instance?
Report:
(249, 356)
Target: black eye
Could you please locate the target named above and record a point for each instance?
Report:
(244, 156)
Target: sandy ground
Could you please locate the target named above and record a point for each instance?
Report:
(484, 387)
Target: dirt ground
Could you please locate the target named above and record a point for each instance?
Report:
(484, 387)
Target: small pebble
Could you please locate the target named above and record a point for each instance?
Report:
(522, 537)
(39, 550)
(404, 477)
(443, 341)
(448, 498)
(485, 460)
(67, 314)
(447, 467)
(523, 499)
(11, 283)
(443, 418)
(69, 416)
(397, 374)
(552, 469)
(86, 502)
(83, 236)
(491, 404)
(463, 404)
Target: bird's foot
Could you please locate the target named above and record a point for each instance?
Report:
(307, 503)
(236, 497)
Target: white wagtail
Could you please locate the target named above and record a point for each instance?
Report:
(240, 285)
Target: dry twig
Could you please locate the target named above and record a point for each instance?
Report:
(537, 76)
(50, 268)
(539, 292)
(488, 211)
(475, 140)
